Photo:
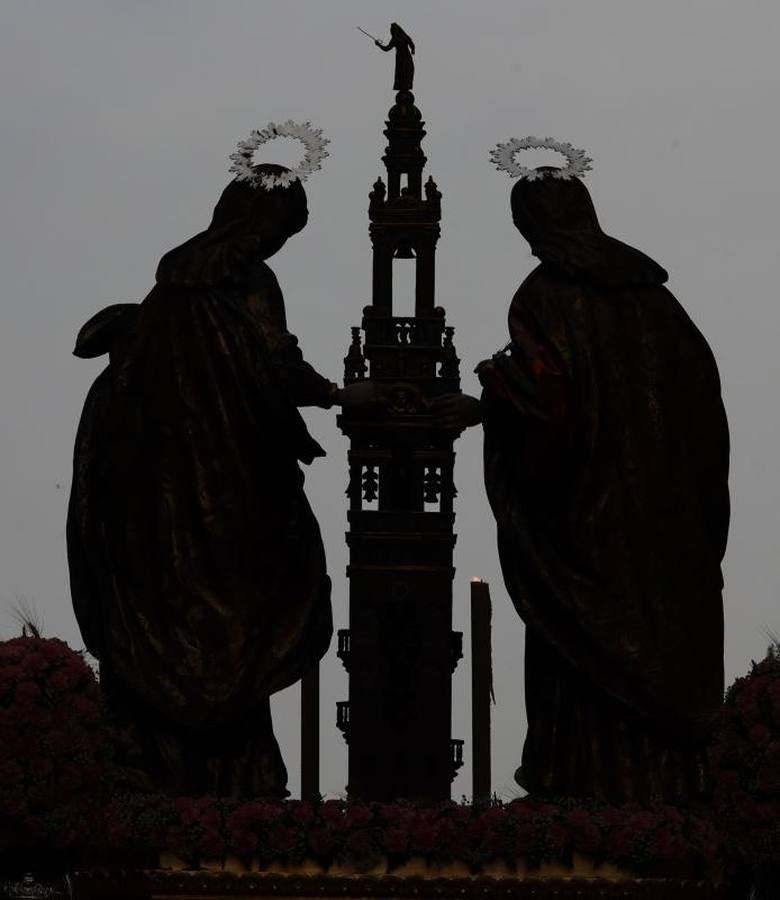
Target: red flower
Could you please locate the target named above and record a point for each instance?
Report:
(547, 810)
(118, 832)
(27, 695)
(525, 839)
(40, 767)
(667, 845)
(70, 779)
(268, 813)
(558, 838)
(175, 839)
(321, 841)
(424, 837)
(619, 844)
(211, 843)
(302, 812)
(458, 813)
(585, 835)
(65, 680)
(395, 840)
(484, 835)
(332, 812)
(493, 818)
(51, 747)
(773, 699)
(745, 759)
(357, 816)
(283, 840)
(358, 843)
(11, 773)
(32, 662)
(15, 807)
(244, 843)
(39, 796)
(492, 843)
(768, 779)
(759, 734)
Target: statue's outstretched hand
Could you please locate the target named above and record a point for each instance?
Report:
(359, 395)
(456, 412)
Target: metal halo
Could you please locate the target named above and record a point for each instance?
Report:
(311, 138)
(503, 157)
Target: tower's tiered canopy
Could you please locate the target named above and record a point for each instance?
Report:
(400, 649)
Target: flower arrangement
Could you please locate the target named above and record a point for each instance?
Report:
(54, 794)
(745, 759)
(51, 746)
(361, 834)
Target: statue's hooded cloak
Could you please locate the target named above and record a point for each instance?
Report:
(197, 568)
(606, 462)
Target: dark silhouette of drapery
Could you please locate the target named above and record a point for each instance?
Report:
(606, 464)
(197, 569)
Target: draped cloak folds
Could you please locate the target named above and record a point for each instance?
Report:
(197, 567)
(606, 463)
(403, 45)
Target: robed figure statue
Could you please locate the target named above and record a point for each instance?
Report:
(404, 50)
(197, 568)
(606, 464)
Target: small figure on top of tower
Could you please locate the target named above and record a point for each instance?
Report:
(404, 50)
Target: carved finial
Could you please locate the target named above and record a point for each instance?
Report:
(456, 649)
(355, 367)
(344, 646)
(431, 484)
(370, 483)
(377, 195)
(343, 718)
(432, 191)
(450, 364)
(456, 761)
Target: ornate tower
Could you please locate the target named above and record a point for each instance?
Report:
(400, 650)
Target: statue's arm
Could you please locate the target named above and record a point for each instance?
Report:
(304, 384)
(388, 46)
(528, 375)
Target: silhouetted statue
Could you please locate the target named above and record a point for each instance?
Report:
(404, 50)
(197, 568)
(606, 465)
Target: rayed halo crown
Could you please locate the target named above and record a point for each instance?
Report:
(311, 138)
(503, 157)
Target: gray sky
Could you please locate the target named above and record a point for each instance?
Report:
(117, 121)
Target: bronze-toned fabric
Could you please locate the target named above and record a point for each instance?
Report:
(197, 568)
(241, 759)
(606, 464)
(581, 740)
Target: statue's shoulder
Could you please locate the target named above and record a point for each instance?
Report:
(262, 277)
(543, 283)
(98, 334)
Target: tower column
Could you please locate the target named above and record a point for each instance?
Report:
(400, 650)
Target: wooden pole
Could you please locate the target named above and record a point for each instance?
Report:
(481, 689)
(310, 734)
